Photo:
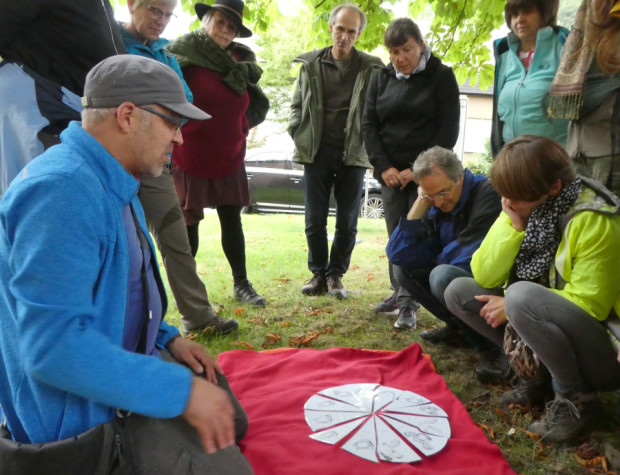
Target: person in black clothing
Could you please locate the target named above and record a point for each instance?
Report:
(412, 104)
(47, 48)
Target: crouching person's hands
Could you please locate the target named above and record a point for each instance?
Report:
(196, 357)
(210, 411)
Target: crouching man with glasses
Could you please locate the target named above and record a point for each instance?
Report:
(92, 378)
(433, 245)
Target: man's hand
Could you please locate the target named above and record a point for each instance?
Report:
(195, 357)
(419, 207)
(493, 311)
(391, 177)
(405, 177)
(210, 411)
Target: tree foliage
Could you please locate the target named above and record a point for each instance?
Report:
(459, 33)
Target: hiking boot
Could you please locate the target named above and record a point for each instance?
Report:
(448, 335)
(528, 393)
(407, 319)
(245, 293)
(494, 367)
(388, 305)
(335, 287)
(216, 326)
(315, 286)
(567, 417)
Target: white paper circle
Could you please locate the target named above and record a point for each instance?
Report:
(378, 422)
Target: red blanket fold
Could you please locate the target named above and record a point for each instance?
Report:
(273, 388)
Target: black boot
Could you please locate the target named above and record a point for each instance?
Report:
(528, 393)
(494, 367)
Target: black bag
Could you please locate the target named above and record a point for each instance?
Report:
(95, 452)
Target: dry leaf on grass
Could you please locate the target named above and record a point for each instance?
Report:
(303, 340)
(328, 330)
(190, 336)
(370, 277)
(318, 311)
(239, 310)
(283, 280)
(284, 324)
(593, 462)
(490, 432)
(354, 268)
(502, 415)
(271, 339)
(257, 321)
(243, 344)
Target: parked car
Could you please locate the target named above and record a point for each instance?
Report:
(276, 186)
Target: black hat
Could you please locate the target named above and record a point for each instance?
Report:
(134, 78)
(233, 9)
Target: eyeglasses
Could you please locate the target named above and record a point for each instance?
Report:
(178, 122)
(442, 194)
(157, 13)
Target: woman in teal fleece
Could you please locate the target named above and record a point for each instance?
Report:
(525, 63)
(141, 35)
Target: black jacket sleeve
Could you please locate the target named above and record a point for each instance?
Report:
(447, 98)
(371, 128)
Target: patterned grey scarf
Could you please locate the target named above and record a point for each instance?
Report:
(543, 234)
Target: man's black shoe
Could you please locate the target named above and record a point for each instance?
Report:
(494, 367)
(315, 286)
(447, 335)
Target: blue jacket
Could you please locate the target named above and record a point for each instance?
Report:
(520, 97)
(447, 238)
(155, 50)
(64, 264)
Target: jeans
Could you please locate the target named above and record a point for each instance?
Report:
(328, 171)
(428, 288)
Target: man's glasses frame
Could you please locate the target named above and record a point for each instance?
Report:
(178, 122)
(158, 13)
(442, 194)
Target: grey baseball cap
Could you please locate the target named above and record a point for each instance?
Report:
(140, 80)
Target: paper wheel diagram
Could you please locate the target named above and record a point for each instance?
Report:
(378, 422)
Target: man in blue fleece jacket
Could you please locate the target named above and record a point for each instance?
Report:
(82, 333)
(433, 245)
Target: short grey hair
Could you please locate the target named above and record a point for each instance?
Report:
(94, 116)
(168, 3)
(440, 157)
(350, 6)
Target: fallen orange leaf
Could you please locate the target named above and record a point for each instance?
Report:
(328, 330)
(257, 320)
(502, 415)
(284, 324)
(370, 277)
(244, 344)
(303, 340)
(239, 310)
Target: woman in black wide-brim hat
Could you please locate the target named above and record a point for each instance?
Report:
(208, 168)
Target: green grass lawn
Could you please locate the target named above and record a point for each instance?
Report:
(277, 266)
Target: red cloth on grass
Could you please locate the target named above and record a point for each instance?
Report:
(273, 388)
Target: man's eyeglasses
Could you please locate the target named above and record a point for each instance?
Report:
(178, 122)
(442, 194)
(157, 13)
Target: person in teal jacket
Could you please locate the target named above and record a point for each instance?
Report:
(547, 266)
(141, 35)
(82, 305)
(525, 64)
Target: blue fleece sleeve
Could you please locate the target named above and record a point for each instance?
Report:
(413, 244)
(69, 326)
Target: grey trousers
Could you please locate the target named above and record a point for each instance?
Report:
(173, 446)
(573, 345)
(165, 221)
(396, 204)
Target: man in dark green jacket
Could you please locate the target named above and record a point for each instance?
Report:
(325, 124)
